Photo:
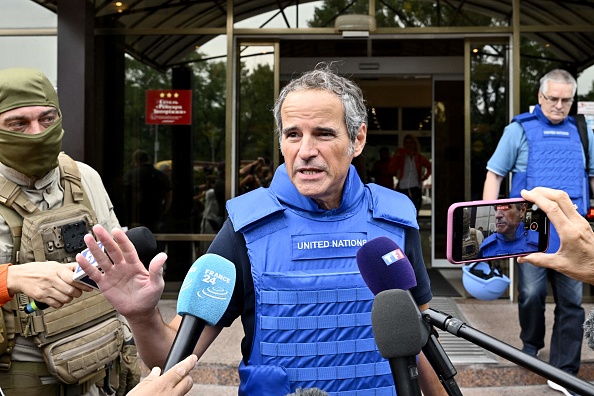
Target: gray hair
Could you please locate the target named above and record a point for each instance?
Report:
(323, 78)
(558, 76)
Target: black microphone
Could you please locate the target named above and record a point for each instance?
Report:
(397, 306)
(203, 299)
(384, 266)
(145, 244)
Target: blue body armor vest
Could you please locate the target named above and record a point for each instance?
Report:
(313, 309)
(555, 160)
(496, 245)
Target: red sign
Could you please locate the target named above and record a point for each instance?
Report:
(169, 106)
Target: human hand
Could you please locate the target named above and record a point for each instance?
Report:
(125, 282)
(575, 257)
(49, 282)
(175, 382)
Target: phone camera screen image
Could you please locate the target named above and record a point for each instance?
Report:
(496, 229)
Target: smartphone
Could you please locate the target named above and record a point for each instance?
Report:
(487, 230)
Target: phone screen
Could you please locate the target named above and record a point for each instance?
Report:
(486, 230)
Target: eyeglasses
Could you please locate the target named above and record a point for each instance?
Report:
(553, 101)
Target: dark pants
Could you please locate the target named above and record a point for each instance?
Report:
(415, 194)
(568, 333)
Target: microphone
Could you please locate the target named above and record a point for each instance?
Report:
(389, 307)
(203, 299)
(384, 266)
(145, 244)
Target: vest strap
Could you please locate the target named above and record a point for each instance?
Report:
(318, 348)
(339, 373)
(292, 297)
(315, 322)
(70, 179)
(383, 391)
(10, 196)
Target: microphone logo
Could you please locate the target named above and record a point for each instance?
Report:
(216, 293)
(393, 256)
(213, 291)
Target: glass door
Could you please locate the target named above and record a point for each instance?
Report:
(469, 117)
(257, 88)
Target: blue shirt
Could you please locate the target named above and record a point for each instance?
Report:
(511, 154)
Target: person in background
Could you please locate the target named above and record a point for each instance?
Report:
(316, 197)
(254, 175)
(543, 148)
(148, 193)
(411, 169)
(381, 171)
(49, 202)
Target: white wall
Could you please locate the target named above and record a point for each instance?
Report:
(40, 52)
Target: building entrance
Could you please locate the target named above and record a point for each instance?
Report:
(428, 107)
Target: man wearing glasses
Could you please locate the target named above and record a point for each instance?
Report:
(543, 148)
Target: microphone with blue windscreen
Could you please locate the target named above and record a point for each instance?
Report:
(203, 299)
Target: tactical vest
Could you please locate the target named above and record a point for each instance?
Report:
(555, 160)
(312, 307)
(83, 337)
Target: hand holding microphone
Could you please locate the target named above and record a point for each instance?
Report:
(49, 280)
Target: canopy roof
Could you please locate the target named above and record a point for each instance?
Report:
(571, 42)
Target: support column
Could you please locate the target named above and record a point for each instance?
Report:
(75, 74)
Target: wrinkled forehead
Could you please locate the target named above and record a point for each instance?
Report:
(21, 87)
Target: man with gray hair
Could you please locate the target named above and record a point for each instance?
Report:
(543, 148)
(304, 306)
(512, 233)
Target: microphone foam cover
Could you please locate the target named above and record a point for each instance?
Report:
(396, 324)
(384, 266)
(207, 288)
(145, 243)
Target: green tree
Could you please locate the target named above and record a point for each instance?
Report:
(256, 123)
(399, 13)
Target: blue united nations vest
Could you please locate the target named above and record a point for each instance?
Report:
(313, 309)
(525, 241)
(555, 160)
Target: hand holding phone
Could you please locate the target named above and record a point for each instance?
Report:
(487, 230)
